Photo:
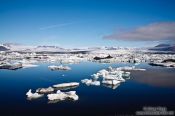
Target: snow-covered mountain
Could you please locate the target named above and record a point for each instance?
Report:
(17, 47)
(48, 48)
(164, 47)
(3, 48)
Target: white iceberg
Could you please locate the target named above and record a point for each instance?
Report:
(90, 82)
(61, 67)
(95, 76)
(29, 65)
(72, 95)
(114, 77)
(96, 83)
(31, 95)
(62, 85)
(111, 82)
(103, 72)
(45, 90)
(87, 81)
(63, 95)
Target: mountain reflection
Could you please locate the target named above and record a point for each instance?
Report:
(157, 78)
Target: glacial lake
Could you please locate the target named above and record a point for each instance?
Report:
(153, 87)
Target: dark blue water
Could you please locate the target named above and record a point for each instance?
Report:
(154, 87)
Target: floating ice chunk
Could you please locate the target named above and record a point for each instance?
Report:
(70, 92)
(90, 82)
(45, 90)
(114, 77)
(29, 65)
(111, 82)
(96, 83)
(103, 72)
(87, 81)
(63, 95)
(72, 95)
(31, 95)
(71, 84)
(57, 96)
(95, 76)
(53, 67)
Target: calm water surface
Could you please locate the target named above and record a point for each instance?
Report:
(154, 87)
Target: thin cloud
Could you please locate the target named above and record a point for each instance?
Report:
(151, 32)
(55, 26)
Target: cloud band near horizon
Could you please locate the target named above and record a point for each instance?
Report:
(152, 32)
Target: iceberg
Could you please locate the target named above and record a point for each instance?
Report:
(96, 83)
(90, 82)
(53, 67)
(72, 95)
(111, 82)
(71, 84)
(31, 95)
(114, 77)
(87, 81)
(45, 90)
(63, 96)
(29, 65)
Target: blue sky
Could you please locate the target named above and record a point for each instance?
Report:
(81, 23)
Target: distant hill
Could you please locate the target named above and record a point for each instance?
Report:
(163, 47)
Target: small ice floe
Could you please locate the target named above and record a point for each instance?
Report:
(29, 65)
(111, 82)
(31, 95)
(61, 67)
(91, 82)
(114, 77)
(60, 96)
(45, 90)
(62, 85)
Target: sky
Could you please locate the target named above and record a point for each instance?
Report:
(87, 23)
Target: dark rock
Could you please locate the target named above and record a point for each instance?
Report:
(99, 58)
